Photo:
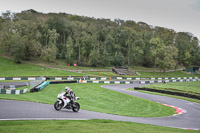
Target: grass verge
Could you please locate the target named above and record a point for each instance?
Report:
(167, 74)
(185, 87)
(98, 99)
(102, 74)
(161, 94)
(84, 126)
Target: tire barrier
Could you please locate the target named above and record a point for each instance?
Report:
(168, 81)
(16, 92)
(40, 86)
(170, 92)
(46, 83)
(97, 78)
(62, 82)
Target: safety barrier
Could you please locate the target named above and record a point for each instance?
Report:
(45, 83)
(40, 86)
(17, 92)
(168, 81)
(20, 78)
(96, 78)
(62, 82)
(106, 82)
(169, 92)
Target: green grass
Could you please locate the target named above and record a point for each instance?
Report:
(8, 69)
(141, 68)
(186, 87)
(167, 95)
(98, 99)
(24, 87)
(102, 74)
(84, 126)
(145, 74)
(63, 65)
(167, 74)
(189, 87)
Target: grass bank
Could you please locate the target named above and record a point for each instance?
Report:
(63, 65)
(167, 95)
(84, 126)
(184, 87)
(167, 74)
(10, 69)
(98, 99)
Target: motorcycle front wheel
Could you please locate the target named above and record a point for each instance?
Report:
(58, 106)
(76, 107)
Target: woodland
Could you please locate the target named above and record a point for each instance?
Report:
(86, 41)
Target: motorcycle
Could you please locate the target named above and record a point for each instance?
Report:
(64, 102)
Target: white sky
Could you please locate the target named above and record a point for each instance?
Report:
(180, 15)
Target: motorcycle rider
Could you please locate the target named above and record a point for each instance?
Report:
(69, 94)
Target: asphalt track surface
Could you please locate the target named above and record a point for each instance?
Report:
(21, 110)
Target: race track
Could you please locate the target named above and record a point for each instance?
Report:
(21, 110)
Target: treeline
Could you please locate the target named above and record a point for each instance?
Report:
(94, 42)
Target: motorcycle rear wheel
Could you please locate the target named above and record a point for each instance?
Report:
(76, 107)
(58, 106)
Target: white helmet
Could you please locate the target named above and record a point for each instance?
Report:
(67, 89)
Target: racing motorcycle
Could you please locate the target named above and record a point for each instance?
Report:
(65, 102)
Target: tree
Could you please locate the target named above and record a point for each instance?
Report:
(6, 31)
(93, 58)
(77, 39)
(183, 43)
(187, 59)
(119, 59)
(129, 37)
(31, 36)
(57, 22)
(105, 58)
(197, 59)
(49, 52)
(17, 48)
(167, 57)
(53, 36)
(69, 51)
(86, 43)
(138, 52)
(156, 47)
(195, 51)
(167, 35)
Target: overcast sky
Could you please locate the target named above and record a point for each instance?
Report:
(180, 15)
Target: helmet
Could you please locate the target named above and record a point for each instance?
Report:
(67, 89)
